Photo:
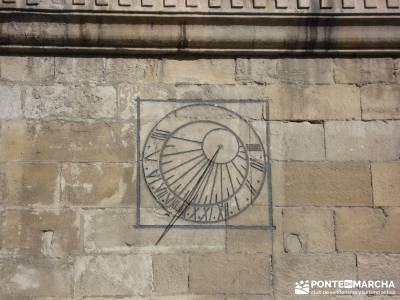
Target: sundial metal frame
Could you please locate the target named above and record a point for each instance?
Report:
(266, 186)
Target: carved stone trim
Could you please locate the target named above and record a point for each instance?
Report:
(256, 7)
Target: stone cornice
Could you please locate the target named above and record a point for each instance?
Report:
(237, 27)
(201, 7)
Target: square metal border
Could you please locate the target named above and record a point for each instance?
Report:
(269, 227)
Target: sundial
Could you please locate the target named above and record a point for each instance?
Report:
(203, 164)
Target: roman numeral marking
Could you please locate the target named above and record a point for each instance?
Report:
(159, 134)
(251, 188)
(257, 165)
(254, 147)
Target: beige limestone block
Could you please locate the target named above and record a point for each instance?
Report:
(235, 274)
(291, 268)
(112, 275)
(27, 69)
(199, 71)
(298, 71)
(256, 70)
(386, 183)
(35, 277)
(29, 185)
(67, 141)
(10, 102)
(368, 229)
(99, 184)
(313, 102)
(321, 184)
(65, 101)
(53, 233)
(364, 70)
(375, 140)
(79, 69)
(170, 274)
(248, 241)
(113, 231)
(380, 266)
(297, 141)
(304, 230)
(380, 101)
(132, 70)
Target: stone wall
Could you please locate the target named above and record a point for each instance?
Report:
(68, 171)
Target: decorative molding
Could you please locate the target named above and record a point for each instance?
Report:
(257, 7)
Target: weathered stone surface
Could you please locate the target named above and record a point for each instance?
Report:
(10, 102)
(132, 70)
(380, 267)
(79, 69)
(199, 71)
(386, 179)
(174, 297)
(35, 277)
(53, 233)
(291, 268)
(99, 184)
(315, 102)
(257, 70)
(248, 241)
(368, 229)
(321, 184)
(317, 71)
(297, 141)
(380, 101)
(112, 275)
(221, 273)
(64, 101)
(128, 93)
(170, 274)
(111, 231)
(249, 297)
(362, 140)
(365, 70)
(61, 140)
(305, 230)
(15, 68)
(29, 185)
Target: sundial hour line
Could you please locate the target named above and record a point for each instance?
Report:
(191, 169)
(184, 163)
(195, 175)
(182, 152)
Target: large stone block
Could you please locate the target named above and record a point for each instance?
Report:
(199, 71)
(29, 185)
(67, 141)
(385, 180)
(64, 101)
(235, 274)
(132, 70)
(291, 268)
(297, 141)
(173, 297)
(79, 69)
(368, 229)
(248, 241)
(256, 70)
(99, 184)
(112, 231)
(32, 69)
(113, 275)
(53, 233)
(380, 267)
(10, 102)
(321, 184)
(315, 71)
(315, 102)
(304, 230)
(364, 70)
(170, 274)
(380, 101)
(35, 277)
(362, 140)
